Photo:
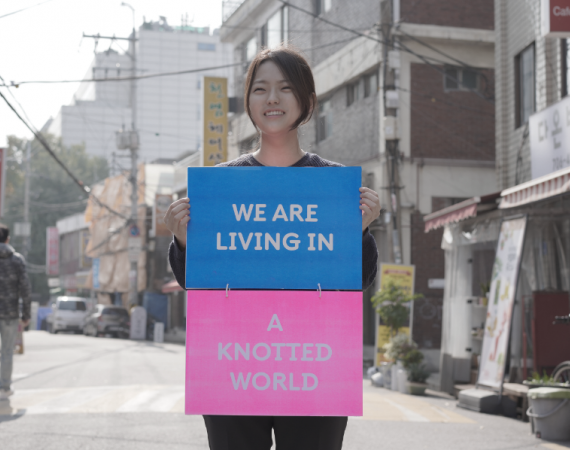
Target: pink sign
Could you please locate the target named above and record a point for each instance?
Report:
(279, 353)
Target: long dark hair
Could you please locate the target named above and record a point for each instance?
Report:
(296, 71)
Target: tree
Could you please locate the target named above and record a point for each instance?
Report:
(391, 303)
(53, 194)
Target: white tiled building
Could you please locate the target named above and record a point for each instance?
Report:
(168, 107)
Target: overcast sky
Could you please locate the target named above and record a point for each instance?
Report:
(45, 43)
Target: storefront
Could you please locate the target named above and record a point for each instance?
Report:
(535, 344)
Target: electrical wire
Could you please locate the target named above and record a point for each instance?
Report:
(138, 77)
(24, 9)
(368, 36)
(41, 140)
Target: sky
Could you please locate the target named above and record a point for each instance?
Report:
(45, 43)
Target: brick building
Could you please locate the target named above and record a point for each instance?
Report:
(444, 112)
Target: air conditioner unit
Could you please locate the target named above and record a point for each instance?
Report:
(391, 128)
(392, 100)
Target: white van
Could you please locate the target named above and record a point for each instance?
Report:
(68, 315)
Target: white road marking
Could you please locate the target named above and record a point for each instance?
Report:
(107, 399)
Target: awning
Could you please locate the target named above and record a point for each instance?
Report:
(460, 211)
(171, 286)
(539, 189)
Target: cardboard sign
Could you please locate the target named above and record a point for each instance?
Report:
(501, 300)
(274, 353)
(274, 228)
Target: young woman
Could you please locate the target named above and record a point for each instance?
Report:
(279, 97)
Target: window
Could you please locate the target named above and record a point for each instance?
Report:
(276, 30)
(355, 91)
(324, 121)
(206, 47)
(322, 6)
(564, 55)
(460, 79)
(250, 49)
(524, 85)
(370, 85)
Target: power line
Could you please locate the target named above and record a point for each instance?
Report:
(368, 36)
(41, 140)
(24, 9)
(138, 77)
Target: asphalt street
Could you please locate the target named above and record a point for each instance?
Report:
(77, 392)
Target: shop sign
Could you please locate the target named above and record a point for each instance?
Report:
(555, 18)
(403, 276)
(215, 120)
(282, 353)
(274, 228)
(549, 132)
(52, 251)
(501, 300)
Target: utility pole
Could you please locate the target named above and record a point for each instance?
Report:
(389, 92)
(129, 139)
(26, 232)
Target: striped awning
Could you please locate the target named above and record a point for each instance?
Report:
(460, 211)
(539, 189)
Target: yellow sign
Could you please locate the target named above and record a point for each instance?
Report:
(215, 120)
(400, 275)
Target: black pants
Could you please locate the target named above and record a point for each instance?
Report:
(291, 433)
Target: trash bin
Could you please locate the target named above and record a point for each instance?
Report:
(549, 413)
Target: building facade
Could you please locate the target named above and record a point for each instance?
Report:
(169, 108)
(440, 93)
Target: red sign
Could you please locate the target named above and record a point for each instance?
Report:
(52, 251)
(3, 158)
(556, 18)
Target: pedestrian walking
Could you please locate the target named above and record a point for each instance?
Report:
(14, 284)
(279, 97)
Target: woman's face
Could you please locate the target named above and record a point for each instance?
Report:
(273, 105)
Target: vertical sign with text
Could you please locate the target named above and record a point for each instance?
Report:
(501, 301)
(52, 251)
(215, 120)
(403, 276)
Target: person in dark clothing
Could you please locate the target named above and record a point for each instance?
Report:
(279, 97)
(14, 284)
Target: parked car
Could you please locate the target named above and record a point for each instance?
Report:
(68, 315)
(107, 319)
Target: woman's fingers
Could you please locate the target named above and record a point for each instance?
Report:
(177, 217)
(370, 206)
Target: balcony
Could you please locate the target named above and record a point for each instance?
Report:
(229, 7)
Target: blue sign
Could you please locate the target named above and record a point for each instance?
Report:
(95, 267)
(274, 228)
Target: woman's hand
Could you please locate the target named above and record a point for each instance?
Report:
(177, 218)
(370, 206)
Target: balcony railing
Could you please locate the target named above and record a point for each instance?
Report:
(229, 7)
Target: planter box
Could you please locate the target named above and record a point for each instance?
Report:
(417, 388)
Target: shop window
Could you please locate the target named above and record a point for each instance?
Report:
(459, 79)
(324, 121)
(524, 85)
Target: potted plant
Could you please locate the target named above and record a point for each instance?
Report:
(417, 376)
